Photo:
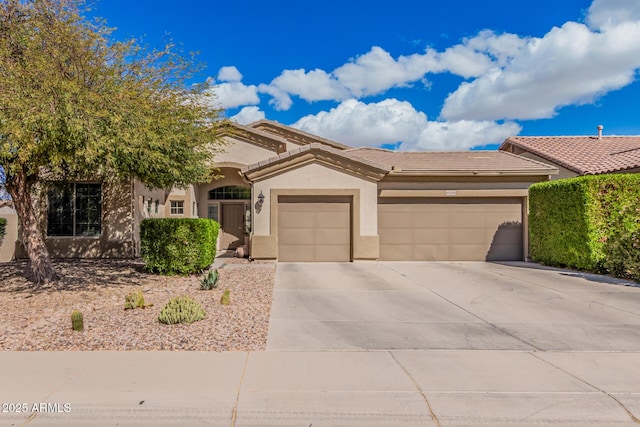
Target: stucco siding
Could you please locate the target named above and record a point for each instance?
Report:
(317, 177)
(562, 172)
(236, 151)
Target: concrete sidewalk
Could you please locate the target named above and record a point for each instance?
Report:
(273, 388)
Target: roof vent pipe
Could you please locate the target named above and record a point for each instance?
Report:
(600, 127)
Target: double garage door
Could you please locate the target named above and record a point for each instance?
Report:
(461, 229)
(314, 229)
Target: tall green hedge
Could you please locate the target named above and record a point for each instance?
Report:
(588, 223)
(178, 245)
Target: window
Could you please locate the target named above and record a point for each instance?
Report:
(149, 206)
(212, 212)
(194, 211)
(177, 207)
(230, 192)
(157, 205)
(75, 209)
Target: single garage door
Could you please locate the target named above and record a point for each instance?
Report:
(435, 229)
(312, 229)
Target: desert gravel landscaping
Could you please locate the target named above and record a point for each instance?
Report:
(38, 317)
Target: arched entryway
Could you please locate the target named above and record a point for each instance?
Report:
(229, 205)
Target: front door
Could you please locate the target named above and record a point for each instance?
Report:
(232, 233)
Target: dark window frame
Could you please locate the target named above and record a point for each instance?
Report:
(230, 192)
(74, 209)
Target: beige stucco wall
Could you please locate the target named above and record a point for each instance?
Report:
(241, 152)
(317, 176)
(563, 172)
(457, 183)
(118, 224)
(8, 243)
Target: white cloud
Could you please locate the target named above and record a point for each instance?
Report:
(229, 74)
(604, 14)
(377, 71)
(391, 121)
(248, 115)
(314, 85)
(280, 100)
(235, 94)
(570, 65)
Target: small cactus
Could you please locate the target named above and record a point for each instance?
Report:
(225, 297)
(77, 323)
(135, 300)
(182, 309)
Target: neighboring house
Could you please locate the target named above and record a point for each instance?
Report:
(579, 155)
(8, 243)
(292, 196)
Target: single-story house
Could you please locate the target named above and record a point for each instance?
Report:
(292, 196)
(579, 155)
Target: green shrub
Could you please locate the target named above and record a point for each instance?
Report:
(622, 249)
(77, 322)
(3, 227)
(584, 222)
(210, 280)
(182, 309)
(178, 245)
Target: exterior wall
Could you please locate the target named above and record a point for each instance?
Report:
(458, 183)
(315, 179)
(9, 242)
(118, 226)
(243, 153)
(563, 172)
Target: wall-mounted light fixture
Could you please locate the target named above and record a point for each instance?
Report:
(260, 198)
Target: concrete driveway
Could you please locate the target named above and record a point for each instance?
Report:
(450, 306)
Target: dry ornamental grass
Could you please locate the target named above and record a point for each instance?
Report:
(38, 317)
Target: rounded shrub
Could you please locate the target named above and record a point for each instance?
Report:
(181, 309)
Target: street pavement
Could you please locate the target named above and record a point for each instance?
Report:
(372, 343)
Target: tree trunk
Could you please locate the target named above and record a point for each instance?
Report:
(39, 269)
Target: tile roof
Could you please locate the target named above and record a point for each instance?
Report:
(295, 135)
(313, 147)
(585, 155)
(454, 163)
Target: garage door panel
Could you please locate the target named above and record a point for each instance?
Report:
(295, 219)
(328, 253)
(451, 229)
(396, 252)
(301, 236)
(314, 229)
(428, 236)
(298, 253)
(467, 236)
(331, 236)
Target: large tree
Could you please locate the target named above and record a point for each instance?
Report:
(76, 103)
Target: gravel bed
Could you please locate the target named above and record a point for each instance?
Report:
(38, 318)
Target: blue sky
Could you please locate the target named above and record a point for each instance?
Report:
(413, 74)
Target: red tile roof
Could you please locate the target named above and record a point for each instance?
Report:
(585, 155)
